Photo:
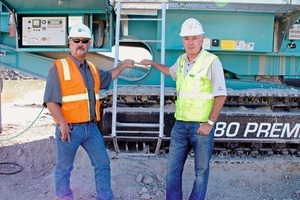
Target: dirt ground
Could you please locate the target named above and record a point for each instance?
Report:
(27, 139)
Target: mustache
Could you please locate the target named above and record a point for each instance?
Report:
(80, 48)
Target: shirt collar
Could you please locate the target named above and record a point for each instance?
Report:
(193, 61)
(77, 62)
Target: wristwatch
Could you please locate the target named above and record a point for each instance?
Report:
(210, 122)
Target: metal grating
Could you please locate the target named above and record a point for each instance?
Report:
(237, 7)
(279, 7)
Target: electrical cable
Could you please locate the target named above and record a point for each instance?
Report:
(11, 167)
(8, 168)
(2, 140)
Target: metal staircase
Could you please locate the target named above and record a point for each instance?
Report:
(153, 131)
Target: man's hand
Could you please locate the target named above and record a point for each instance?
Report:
(128, 63)
(146, 62)
(55, 111)
(65, 132)
(204, 129)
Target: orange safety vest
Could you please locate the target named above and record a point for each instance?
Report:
(75, 100)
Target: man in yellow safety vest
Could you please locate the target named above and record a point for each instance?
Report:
(201, 93)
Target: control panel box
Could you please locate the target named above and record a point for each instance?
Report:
(44, 31)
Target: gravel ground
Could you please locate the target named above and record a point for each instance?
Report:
(135, 178)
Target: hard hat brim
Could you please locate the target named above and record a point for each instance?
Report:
(184, 35)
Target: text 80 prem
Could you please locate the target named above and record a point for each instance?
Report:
(257, 130)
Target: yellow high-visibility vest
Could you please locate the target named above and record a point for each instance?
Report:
(194, 92)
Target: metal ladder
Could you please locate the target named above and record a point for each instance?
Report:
(121, 5)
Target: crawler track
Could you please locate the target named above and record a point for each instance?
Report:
(253, 122)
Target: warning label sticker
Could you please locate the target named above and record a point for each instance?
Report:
(294, 32)
(237, 45)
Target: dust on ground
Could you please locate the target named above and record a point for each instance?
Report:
(28, 140)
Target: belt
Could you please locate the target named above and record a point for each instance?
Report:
(189, 121)
(81, 123)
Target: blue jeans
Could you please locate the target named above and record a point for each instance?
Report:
(184, 136)
(89, 137)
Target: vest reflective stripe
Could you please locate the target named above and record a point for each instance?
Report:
(95, 73)
(206, 62)
(67, 77)
(66, 70)
(92, 65)
(194, 91)
(76, 97)
(194, 95)
(75, 100)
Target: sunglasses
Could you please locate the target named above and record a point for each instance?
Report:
(84, 41)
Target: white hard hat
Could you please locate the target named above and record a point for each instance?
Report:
(80, 30)
(191, 27)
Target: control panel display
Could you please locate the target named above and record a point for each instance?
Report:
(44, 31)
(36, 23)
